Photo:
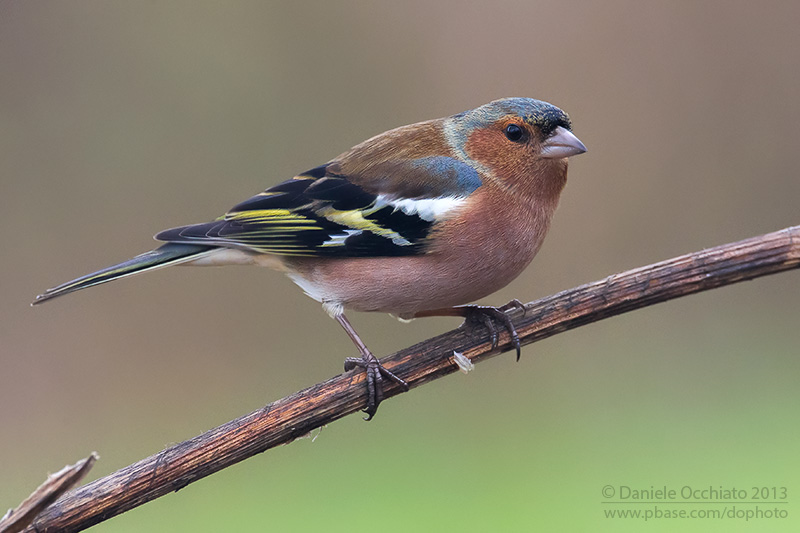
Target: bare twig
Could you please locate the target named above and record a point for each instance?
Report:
(291, 417)
(57, 484)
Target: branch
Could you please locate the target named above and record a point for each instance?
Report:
(294, 416)
(56, 484)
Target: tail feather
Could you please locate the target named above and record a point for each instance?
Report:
(169, 254)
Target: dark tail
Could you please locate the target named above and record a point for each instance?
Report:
(169, 254)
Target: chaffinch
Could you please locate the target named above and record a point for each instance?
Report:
(416, 221)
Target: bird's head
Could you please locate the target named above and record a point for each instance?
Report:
(513, 139)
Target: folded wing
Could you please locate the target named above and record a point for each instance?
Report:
(385, 210)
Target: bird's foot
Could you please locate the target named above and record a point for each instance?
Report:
(489, 316)
(375, 374)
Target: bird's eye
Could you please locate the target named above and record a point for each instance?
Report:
(514, 133)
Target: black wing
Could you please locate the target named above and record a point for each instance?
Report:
(317, 213)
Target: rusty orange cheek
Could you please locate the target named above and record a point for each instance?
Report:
(491, 148)
(485, 145)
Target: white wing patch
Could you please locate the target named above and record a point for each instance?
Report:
(429, 209)
(338, 240)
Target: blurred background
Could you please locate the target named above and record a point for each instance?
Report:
(119, 119)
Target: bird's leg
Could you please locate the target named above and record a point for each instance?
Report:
(485, 314)
(375, 371)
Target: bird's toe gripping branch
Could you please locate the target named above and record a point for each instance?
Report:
(373, 368)
(375, 375)
(489, 316)
(485, 315)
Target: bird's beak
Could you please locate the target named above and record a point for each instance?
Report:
(562, 143)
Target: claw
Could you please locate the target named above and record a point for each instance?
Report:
(375, 371)
(375, 374)
(489, 323)
(488, 315)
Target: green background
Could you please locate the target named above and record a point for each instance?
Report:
(119, 119)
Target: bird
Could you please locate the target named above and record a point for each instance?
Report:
(417, 221)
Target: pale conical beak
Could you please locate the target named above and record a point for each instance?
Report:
(562, 143)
